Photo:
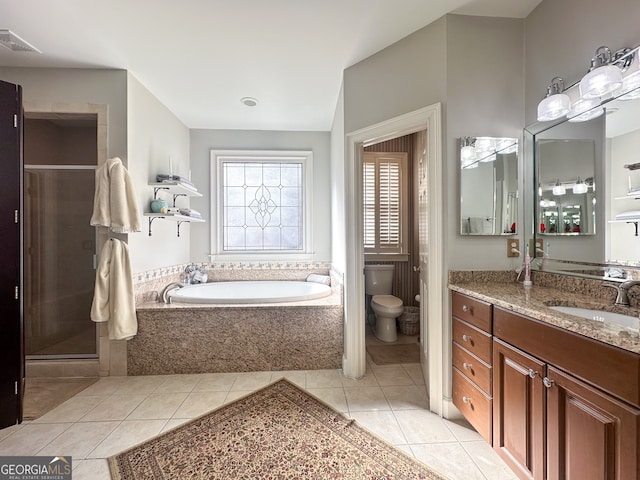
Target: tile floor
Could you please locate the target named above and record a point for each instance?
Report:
(118, 412)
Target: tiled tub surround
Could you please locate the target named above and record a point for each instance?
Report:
(500, 288)
(192, 338)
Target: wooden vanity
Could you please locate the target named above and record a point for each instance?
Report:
(553, 403)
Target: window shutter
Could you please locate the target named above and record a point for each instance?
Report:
(382, 205)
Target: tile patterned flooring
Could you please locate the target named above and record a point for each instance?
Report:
(118, 412)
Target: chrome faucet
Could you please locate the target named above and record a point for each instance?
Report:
(169, 288)
(623, 291)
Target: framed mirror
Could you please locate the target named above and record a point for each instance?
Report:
(488, 185)
(603, 153)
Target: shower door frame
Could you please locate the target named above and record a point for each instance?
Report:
(69, 356)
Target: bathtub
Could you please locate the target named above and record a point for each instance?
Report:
(249, 292)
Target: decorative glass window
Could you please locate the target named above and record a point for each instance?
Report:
(263, 201)
(384, 210)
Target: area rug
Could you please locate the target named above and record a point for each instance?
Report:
(42, 395)
(278, 432)
(397, 353)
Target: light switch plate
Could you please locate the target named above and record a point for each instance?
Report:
(513, 243)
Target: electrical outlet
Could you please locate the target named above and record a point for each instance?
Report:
(513, 247)
(536, 249)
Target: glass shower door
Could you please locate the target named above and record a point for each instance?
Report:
(59, 261)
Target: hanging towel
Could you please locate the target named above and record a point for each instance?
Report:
(115, 204)
(113, 300)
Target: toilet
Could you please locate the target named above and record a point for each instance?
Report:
(378, 280)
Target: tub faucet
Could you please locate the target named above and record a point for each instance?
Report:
(169, 288)
(622, 290)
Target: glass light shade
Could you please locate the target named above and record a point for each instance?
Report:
(553, 107)
(558, 189)
(600, 81)
(580, 187)
(467, 153)
(631, 86)
(588, 115)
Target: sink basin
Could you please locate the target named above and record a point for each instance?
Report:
(600, 316)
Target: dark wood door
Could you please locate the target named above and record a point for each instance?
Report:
(519, 410)
(11, 324)
(590, 435)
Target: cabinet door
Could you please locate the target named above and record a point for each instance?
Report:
(518, 410)
(590, 435)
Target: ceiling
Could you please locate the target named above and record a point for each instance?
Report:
(200, 57)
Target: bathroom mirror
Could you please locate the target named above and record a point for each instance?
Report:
(488, 186)
(566, 194)
(604, 154)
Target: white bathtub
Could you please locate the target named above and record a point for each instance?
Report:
(249, 292)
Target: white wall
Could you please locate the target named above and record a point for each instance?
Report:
(203, 141)
(338, 217)
(154, 134)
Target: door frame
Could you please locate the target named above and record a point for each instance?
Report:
(432, 328)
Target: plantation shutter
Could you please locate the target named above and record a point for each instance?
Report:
(382, 203)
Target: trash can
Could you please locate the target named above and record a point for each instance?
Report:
(409, 321)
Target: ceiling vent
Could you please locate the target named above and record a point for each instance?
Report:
(13, 42)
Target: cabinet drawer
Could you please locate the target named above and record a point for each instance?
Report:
(472, 367)
(472, 339)
(474, 404)
(473, 311)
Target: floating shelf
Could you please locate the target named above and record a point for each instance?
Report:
(179, 219)
(635, 196)
(631, 220)
(176, 189)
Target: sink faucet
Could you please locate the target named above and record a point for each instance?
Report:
(623, 298)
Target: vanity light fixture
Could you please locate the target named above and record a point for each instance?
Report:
(580, 187)
(604, 76)
(584, 109)
(558, 188)
(555, 104)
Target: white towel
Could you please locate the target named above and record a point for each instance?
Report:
(113, 300)
(115, 204)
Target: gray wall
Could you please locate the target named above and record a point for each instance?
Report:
(474, 67)
(203, 141)
(50, 85)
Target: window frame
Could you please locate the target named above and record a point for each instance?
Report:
(402, 159)
(217, 158)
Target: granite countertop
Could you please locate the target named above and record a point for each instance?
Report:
(535, 302)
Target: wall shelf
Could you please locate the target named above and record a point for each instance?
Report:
(179, 219)
(635, 196)
(175, 189)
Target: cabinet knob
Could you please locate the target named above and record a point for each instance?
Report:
(546, 382)
(466, 308)
(532, 373)
(466, 366)
(466, 338)
(466, 399)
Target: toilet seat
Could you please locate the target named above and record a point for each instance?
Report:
(388, 301)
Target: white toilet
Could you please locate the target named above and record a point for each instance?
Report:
(378, 281)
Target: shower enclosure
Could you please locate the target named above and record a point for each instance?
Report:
(59, 175)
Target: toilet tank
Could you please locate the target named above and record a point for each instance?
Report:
(378, 279)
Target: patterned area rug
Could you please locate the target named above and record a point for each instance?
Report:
(278, 432)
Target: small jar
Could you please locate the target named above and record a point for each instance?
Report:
(158, 205)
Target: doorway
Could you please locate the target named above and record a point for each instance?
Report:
(432, 283)
(60, 156)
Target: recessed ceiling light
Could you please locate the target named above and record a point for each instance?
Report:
(249, 101)
(13, 42)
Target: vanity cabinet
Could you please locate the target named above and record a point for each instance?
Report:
(565, 407)
(472, 361)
